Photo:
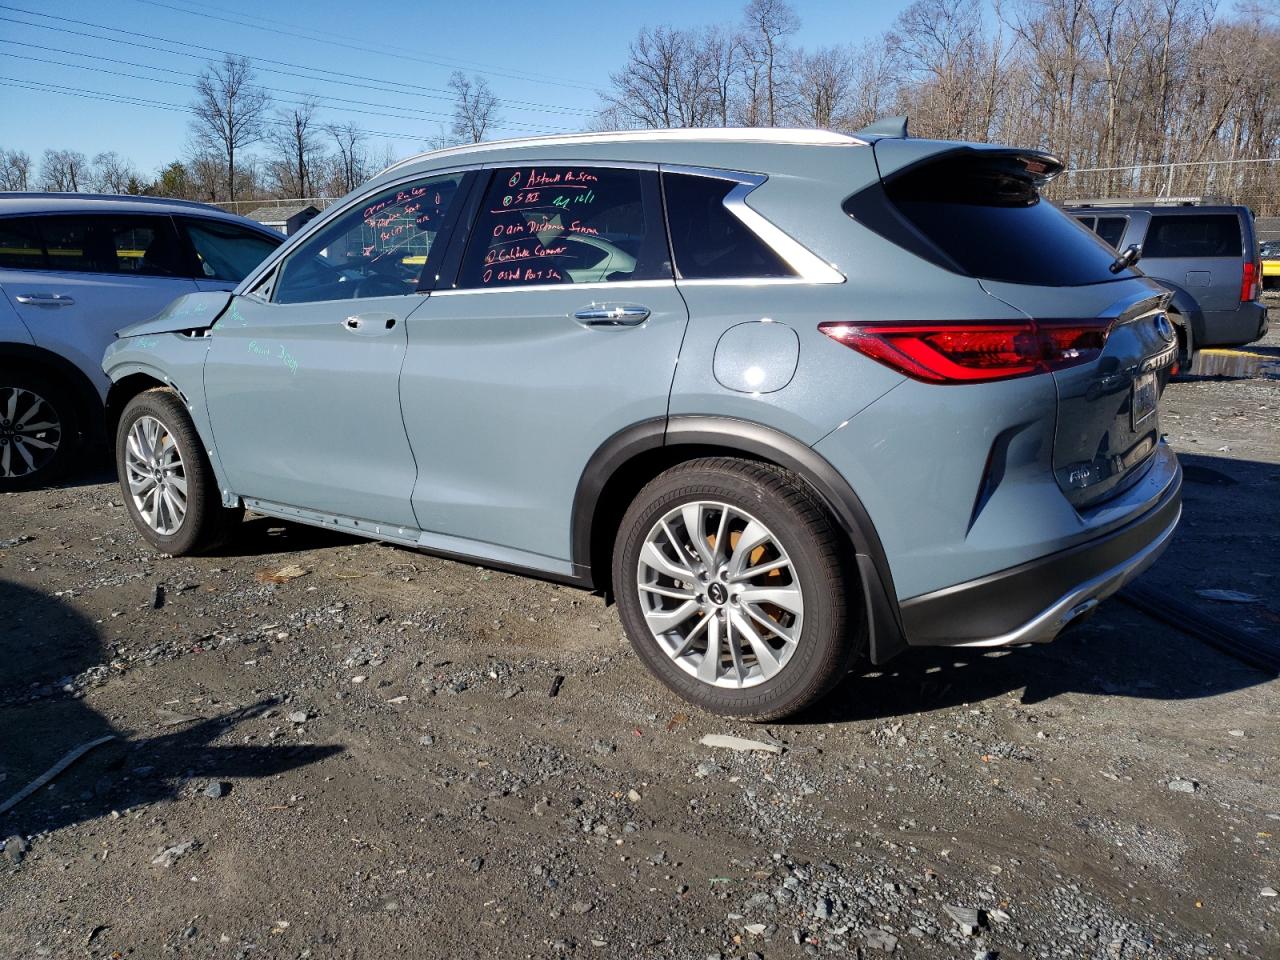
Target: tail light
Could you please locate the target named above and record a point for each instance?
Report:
(976, 352)
(1249, 282)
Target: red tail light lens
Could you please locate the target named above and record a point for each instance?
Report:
(975, 352)
(1249, 282)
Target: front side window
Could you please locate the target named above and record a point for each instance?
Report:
(1193, 235)
(226, 251)
(540, 225)
(707, 240)
(20, 245)
(140, 245)
(376, 249)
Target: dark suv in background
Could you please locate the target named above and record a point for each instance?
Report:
(1206, 254)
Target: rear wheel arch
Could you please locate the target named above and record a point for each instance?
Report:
(634, 456)
(60, 370)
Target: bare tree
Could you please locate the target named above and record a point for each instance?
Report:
(352, 159)
(15, 170)
(475, 108)
(296, 139)
(230, 110)
(824, 86)
(111, 173)
(769, 23)
(670, 79)
(63, 171)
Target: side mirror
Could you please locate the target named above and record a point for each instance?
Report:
(1128, 257)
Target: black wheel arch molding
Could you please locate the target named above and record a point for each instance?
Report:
(635, 454)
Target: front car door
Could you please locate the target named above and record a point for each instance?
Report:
(562, 327)
(95, 274)
(301, 376)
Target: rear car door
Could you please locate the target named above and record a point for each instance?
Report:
(301, 376)
(95, 274)
(562, 327)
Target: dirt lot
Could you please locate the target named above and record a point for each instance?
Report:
(365, 761)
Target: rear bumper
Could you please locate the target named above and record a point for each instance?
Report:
(1245, 324)
(1034, 601)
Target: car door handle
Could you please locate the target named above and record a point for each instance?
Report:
(370, 324)
(45, 299)
(612, 315)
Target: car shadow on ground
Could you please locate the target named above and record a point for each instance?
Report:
(263, 536)
(44, 643)
(1118, 653)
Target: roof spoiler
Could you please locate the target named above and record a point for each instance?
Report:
(888, 127)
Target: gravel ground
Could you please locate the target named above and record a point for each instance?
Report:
(365, 758)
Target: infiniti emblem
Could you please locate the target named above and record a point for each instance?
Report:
(1165, 328)
(717, 593)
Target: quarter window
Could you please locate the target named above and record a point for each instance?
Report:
(1193, 235)
(113, 244)
(226, 251)
(540, 225)
(708, 241)
(377, 249)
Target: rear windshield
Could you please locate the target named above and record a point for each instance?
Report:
(1193, 235)
(987, 217)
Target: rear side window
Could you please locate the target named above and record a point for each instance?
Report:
(1193, 235)
(707, 240)
(113, 244)
(20, 245)
(541, 225)
(226, 251)
(987, 217)
(1110, 230)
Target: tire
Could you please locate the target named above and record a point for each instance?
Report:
(1186, 341)
(34, 458)
(172, 523)
(811, 571)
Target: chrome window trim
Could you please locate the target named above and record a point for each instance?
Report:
(809, 267)
(549, 287)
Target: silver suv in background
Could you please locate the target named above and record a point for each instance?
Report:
(1206, 254)
(74, 269)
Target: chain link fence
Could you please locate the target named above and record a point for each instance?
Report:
(245, 207)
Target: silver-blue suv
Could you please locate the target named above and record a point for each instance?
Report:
(74, 269)
(791, 398)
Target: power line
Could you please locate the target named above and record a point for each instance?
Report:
(60, 28)
(345, 42)
(427, 114)
(433, 93)
(83, 93)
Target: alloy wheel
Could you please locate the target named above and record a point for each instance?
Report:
(30, 432)
(720, 594)
(156, 475)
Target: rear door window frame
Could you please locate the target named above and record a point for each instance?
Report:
(175, 235)
(656, 239)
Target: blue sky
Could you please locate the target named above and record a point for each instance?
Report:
(544, 62)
